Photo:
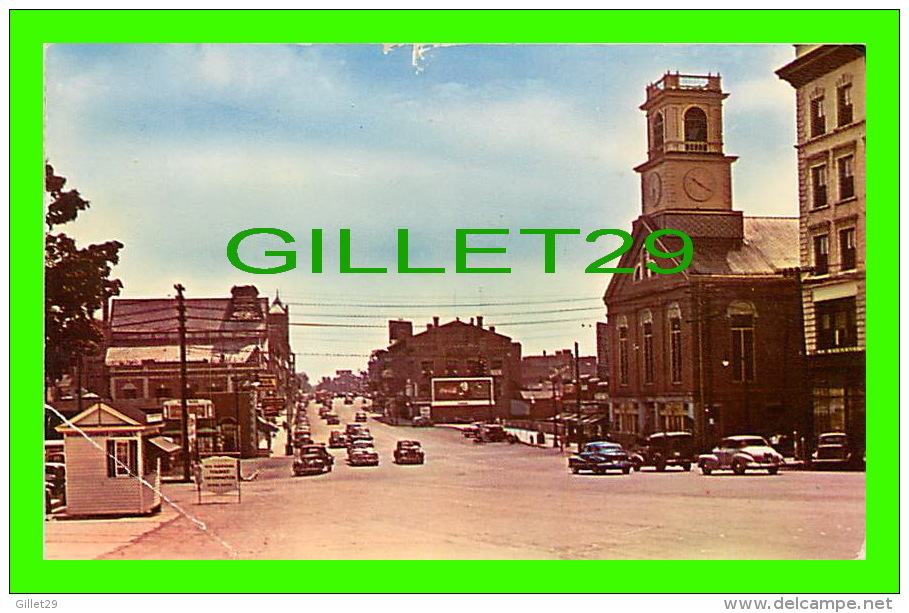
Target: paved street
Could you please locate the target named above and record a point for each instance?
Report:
(500, 501)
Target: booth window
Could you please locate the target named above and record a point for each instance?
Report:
(122, 457)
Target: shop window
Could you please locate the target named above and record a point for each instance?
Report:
(835, 320)
(122, 457)
(819, 186)
(818, 118)
(844, 105)
(846, 175)
(821, 254)
(847, 249)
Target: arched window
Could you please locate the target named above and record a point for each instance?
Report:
(658, 132)
(695, 129)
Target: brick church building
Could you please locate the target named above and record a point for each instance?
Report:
(715, 349)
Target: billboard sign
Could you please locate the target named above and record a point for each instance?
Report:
(462, 391)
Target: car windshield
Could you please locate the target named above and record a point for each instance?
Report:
(751, 441)
(832, 439)
(603, 447)
(363, 444)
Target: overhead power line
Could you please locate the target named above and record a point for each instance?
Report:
(453, 305)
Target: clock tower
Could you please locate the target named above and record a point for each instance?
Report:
(686, 169)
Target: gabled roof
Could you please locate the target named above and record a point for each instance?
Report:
(102, 415)
(202, 314)
(770, 246)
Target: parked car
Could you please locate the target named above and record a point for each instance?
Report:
(359, 435)
(409, 452)
(833, 452)
(54, 486)
(332, 419)
(362, 453)
(493, 433)
(353, 427)
(421, 421)
(337, 440)
(348, 400)
(472, 430)
(360, 417)
(312, 460)
(664, 449)
(741, 453)
(600, 456)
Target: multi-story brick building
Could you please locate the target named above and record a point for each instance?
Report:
(237, 349)
(402, 375)
(716, 348)
(829, 82)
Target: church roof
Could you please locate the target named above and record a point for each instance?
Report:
(770, 245)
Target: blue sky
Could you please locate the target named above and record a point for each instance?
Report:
(179, 147)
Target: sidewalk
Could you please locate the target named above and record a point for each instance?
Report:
(87, 539)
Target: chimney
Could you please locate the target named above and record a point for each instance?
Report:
(471, 321)
(492, 328)
(399, 330)
(435, 322)
(479, 321)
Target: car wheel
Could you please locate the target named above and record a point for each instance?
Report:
(773, 470)
(575, 470)
(706, 470)
(636, 467)
(686, 466)
(626, 470)
(661, 466)
(738, 467)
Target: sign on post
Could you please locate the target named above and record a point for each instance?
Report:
(218, 475)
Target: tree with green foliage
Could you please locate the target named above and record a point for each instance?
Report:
(76, 283)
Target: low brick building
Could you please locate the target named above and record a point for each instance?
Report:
(402, 375)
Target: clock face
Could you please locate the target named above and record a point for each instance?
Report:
(699, 184)
(653, 188)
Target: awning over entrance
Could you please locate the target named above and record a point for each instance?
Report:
(164, 444)
(266, 426)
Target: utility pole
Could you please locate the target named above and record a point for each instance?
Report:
(184, 416)
(577, 393)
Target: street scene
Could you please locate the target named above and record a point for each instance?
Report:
(506, 501)
(235, 368)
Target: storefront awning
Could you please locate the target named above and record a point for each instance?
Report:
(164, 444)
(266, 426)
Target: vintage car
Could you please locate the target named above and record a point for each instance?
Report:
(302, 436)
(312, 460)
(332, 419)
(600, 456)
(664, 449)
(348, 400)
(362, 453)
(54, 486)
(472, 430)
(360, 417)
(409, 452)
(833, 452)
(353, 427)
(741, 453)
(323, 411)
(421, 421)
(337, 440)
(493, 433)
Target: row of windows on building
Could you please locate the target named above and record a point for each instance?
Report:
(844, 110)
(473, 367)
(845, 170)
(847, 251)
(741, 317)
